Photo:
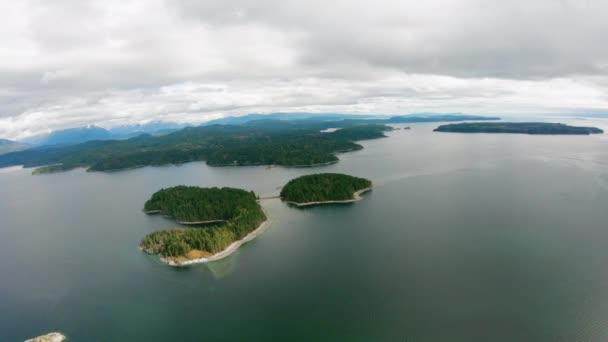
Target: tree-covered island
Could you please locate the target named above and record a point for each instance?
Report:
(324, 188)
(268, 142)
(518, 127)
(241, 215)
(260, 140)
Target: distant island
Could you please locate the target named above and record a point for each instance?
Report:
(258, 143)
(257, 140)
(54, 168)
(234, 214)
(518, 127)
(324, 188)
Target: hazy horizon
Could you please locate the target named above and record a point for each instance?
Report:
(72, 63)
(599, 115)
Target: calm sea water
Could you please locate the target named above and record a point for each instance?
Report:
(465, 238)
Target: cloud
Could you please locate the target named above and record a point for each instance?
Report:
(69, 63)
(470, 38)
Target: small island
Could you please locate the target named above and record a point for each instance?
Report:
(518, 127)
(324, 188)
(233, 217)
(52, 337)
(194, 205)
(54, 168)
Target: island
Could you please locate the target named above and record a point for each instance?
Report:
(324, 188)
(232, 217)
(52, 337)
(54, 168)
(518, 127)
(287, 142)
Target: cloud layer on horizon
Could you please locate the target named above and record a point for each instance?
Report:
(69, 63)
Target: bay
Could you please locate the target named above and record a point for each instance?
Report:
(465, 237)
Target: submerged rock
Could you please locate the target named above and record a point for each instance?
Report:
(52, 337)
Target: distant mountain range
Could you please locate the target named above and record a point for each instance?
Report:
(154, 128)
(413, 118)
(78, 135)
(592, 116)
(7, 146)
(238, 120)
(69, 136)
(83, 134)
(416, 117)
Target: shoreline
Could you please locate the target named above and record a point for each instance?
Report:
(311, 165)
(233, 247)
(50, 337)
(356, 197)
(200, 222)
(88, 167)
(152, 212)
(270, 166)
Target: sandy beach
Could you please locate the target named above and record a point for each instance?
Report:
(52, 337)
(233, 247)
(356, 197)
(151, 212)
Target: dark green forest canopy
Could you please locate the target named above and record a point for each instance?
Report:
(193, 204)
(263, 142)
(323, 187)
(518, 127)
(238, 207)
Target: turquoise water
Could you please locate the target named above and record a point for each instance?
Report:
(465, 238)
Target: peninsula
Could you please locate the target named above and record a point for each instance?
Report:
(235, 216)
(268, 142)
(518, 127)
(324, 188)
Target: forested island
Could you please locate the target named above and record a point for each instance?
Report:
(324, 188)
(241, 215)
(194, 205)
(265, 142)
(250, 140)
(518, 127)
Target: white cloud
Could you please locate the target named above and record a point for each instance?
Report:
(70, 63)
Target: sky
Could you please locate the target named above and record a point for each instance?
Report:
(70, 63)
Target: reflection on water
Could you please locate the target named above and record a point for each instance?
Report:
(223, 267)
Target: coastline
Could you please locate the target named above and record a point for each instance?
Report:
(233, 247)
(311, 165)
(200, 222)
(88, 168)
(152, 212)
(356, 197)
(51, 337)
(270, 166)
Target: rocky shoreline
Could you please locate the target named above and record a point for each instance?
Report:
(233, 247)
(356, 197)
(52, 337)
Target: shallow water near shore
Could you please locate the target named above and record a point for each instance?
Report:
(464, 238)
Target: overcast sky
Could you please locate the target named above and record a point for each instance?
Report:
(68, 63)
